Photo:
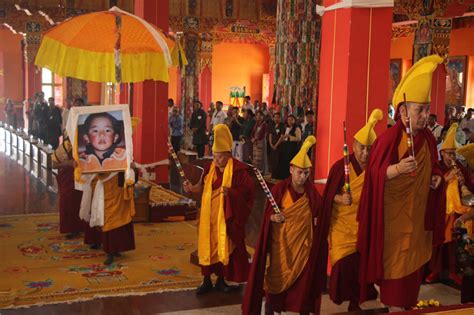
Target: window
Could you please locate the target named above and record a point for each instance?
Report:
(52, 86)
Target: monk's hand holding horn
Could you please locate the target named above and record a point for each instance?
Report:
(277, 218)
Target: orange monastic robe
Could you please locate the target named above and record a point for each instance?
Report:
(407, 244)
(344, 225)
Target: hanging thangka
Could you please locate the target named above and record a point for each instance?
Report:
(432, 37)
(297, 53)
(76, 88)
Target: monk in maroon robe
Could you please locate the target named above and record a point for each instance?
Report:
(227, 199)
(69, 198)
(296, 241)
(340, 204)
(372, 245)
(458, 185)
(344, 280)
(402, 209)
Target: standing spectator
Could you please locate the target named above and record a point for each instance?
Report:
(309, 127)
(275, 139)
(9, 112)
(259, 141)
(65, 113)
(198, 126)
(450, 115)
(228, 115)
(53, 124)
(467, 125)
(256, 106)
(434, 127)
(40, 116)
(170, 107)
(176, 126)
(248, 105)
(266, 114)
(211, 110)
(26, 115)
(299, 113)
(286, 113)
(246, 134)
(290, 146)
(236, 123)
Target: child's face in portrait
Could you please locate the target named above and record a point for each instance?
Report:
(101, 134)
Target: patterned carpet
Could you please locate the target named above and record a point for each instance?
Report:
(39, 266)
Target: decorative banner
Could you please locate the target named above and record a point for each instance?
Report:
(456, 81)
(297, 53)
(432, 37)
(394, 77)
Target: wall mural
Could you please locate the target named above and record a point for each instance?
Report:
(456, 80)
(394, 77)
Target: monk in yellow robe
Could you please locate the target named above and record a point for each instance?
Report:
(402, 209)
(458, 185)
(341, 206)
(227, 199)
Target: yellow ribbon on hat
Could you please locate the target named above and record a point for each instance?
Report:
(450, 142)
(416, 84)
(301, 159)
(366, 135)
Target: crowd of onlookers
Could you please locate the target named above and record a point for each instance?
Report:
(42, 119)
(263, 136)
(464, 119)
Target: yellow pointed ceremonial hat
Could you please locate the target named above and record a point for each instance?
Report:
(366, 135)
(302, 159)
(222, 139)
(450, 142)
(467, 152)
(416, 84)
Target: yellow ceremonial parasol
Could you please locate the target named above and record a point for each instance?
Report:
(108, 46)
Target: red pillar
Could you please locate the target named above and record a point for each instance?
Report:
(438, 93)
(2, 87)
(32, 77)
(150, 101)
(354, 67)
(123, 99)
(205, 87)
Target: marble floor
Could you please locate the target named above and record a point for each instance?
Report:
(23, 193)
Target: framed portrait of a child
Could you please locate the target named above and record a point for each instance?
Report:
(101, 137)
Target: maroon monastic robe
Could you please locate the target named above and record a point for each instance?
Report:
(443, 256)
(305, 293)
(344, 280)
(238, 205)
(69, 202)
(370, 242)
